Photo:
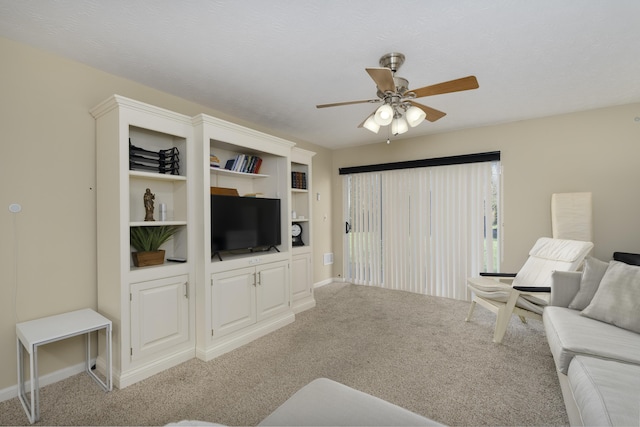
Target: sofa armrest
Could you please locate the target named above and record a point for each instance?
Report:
(564, 287)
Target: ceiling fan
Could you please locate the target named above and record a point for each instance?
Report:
(399, 108)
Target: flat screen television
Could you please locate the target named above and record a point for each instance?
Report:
(244, 223)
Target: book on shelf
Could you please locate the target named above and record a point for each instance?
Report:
(214, 161)
(299, 180)
(244, 163)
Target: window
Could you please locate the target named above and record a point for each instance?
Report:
(423, 229)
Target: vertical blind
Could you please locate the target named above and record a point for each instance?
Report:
(422, 230)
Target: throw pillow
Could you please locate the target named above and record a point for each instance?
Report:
(594, 270)
(617, 300)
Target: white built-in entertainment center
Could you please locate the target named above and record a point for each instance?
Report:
(197, 303)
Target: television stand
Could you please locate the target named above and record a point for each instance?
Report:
(251, 250)
(264, 250)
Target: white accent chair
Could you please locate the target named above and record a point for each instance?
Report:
(529, 290)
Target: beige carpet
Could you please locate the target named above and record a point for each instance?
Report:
(412, 350)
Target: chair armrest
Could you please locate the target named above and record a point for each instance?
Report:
(545, 289)
(498, 274)
(499, 277)
(564, 287)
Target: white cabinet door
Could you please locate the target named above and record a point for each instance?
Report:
(233, 300)
(273, 288)
(159, 315)
(301, 276)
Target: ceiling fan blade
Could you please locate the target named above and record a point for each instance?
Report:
(383, 77)
(432, 113)
(465, 83)
(337, 104)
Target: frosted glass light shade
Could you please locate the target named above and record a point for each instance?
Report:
(370, 124)
(399, 126)
(384, 115)
(415, 116)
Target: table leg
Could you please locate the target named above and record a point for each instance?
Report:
(22, 395)
(107, 383)
(88, 355)
(35, 385)
(109, 367)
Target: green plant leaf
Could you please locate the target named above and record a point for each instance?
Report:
(145, 239)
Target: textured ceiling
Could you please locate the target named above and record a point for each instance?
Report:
(269, 62)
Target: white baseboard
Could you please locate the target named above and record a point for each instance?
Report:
(44, 380)
(134, 375)
(328, 281)
(304, 304)
(244, 336)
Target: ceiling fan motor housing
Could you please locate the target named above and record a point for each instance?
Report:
(402, 86)
(393, 60)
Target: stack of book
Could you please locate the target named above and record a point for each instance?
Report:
(244, 163)
(214, 161)
(299, 180)
(162, 161)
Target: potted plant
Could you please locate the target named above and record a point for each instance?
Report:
(147, 241)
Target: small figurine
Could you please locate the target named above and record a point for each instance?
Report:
(148, 205)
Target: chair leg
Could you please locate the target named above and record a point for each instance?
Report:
(504, 316)
(473, 305)
(502, 321)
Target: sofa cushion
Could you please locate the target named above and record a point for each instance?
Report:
(594, 270)
(569, 334)
(606, 392)
(617, 300)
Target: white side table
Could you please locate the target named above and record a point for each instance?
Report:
(34, 333)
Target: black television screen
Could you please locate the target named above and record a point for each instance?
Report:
(244, 223)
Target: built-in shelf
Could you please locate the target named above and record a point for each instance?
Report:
(299, 190)
(155, 223)
(153, 306)
(156, 176)
(222, 171)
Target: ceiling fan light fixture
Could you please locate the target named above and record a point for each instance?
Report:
(399, 126)
(415, 116)
(370, 124)
(384, 115)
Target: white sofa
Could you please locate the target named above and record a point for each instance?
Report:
(324, 402)
(593, 329)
